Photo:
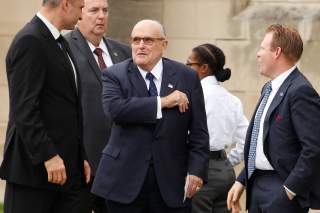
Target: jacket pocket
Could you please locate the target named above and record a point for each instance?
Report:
(111, 151)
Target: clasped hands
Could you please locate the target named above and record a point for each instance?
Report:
(56, 170)
(176, 99)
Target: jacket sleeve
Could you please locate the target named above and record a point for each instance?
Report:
(125, 109)
(198, 134)
(26, 70)
(305, 116)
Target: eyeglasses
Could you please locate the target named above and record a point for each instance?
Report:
(190, 64)
(146, 40)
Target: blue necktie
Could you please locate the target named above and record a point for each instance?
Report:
(255, 130)
(152, 87)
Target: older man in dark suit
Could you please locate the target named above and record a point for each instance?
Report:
(282, 149)
(93, 52)
(159, 145)
(43, 160)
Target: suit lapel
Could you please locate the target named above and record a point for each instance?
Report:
(84, 48)
(276, 101)
(114, 54)
(169, 79)
(137, 81)
(47, 35)
(168, 85)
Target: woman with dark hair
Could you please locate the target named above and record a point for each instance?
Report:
(227, 126)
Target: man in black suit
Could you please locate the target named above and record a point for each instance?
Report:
(84, 42)
(159, 144)
(44, 160)
(282, 149)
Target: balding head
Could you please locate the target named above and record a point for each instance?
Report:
(148, 43)
(154, 26)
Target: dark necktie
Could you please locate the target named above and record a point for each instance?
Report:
(65, 49)
(255, 130)
(62, 44)
(98, 51)
(152, 87)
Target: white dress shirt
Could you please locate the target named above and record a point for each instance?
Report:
(156, 71)
(55, 33)
(227, 124)
(105, 53)
(261, 160)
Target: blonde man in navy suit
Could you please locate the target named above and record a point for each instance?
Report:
(282, 149)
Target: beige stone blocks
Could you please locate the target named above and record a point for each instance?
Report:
(4, 45)
(4, 104)
(124, 14)
(16, 13)
(200, 19)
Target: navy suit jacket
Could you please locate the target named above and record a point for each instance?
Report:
(291, 136)
(177, 144)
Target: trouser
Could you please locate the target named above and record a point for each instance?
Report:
(212, 197)
(20, 198)
(269, 196)
(149, 200)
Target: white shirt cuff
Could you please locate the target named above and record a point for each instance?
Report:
(291, 192)
(159, 110)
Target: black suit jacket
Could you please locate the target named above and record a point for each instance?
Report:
(177, 144)
(291, 136)
(45, 113)
(97, 125)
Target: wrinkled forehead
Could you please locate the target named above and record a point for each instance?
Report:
(146, 29)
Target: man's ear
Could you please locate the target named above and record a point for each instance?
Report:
(165, 44)
(65, 4)
(277, 52)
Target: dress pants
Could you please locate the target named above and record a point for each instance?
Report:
(269, 196)
(20, 198)
(149, 200)
(93, 203)
(212, 197)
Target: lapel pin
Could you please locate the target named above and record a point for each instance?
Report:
(281, 94)
(115, 54)
(170, 85)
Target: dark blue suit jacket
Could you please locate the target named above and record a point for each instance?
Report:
(178, 143)
(291, 136)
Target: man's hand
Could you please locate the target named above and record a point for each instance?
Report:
(176, 98)
(289, 194)
(234, 194)
(56, 170)
(195, 183)
(87, 171)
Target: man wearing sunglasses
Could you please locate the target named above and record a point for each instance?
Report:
(157, 155)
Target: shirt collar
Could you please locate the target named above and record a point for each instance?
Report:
(102, 45)
(54, 31)
(277, 82)
(156, 71)
(209, 80)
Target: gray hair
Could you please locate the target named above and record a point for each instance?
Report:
(52, 3)
(162, 29)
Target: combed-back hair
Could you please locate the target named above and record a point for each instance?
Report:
(215, 58)
(288, 39)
